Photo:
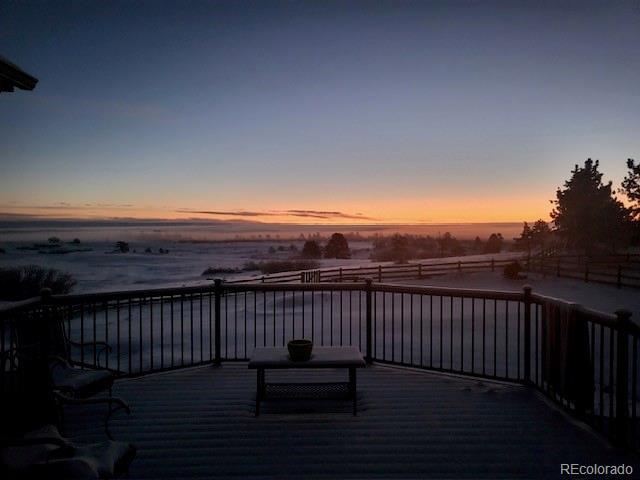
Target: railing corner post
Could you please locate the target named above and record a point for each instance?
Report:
(527, 334)
(622, 378)
(369, 352)
(218, 294)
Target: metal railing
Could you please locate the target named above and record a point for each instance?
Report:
(511, 336)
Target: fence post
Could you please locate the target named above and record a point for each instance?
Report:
(217, 289)
(379, 273)
(368, 353)
(301, 277)
(622, 377)
(619, 281)
(340, 274)
(527, 334)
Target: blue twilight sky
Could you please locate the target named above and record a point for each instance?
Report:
(385, 111)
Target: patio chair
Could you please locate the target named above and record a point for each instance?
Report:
(71, 382)
(44, 453)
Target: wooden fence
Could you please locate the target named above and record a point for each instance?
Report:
(380, 273)
(620, 270)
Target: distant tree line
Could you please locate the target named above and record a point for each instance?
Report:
(336, 247)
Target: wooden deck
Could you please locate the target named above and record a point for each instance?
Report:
(199, 423)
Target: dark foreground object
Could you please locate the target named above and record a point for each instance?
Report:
(323, 357)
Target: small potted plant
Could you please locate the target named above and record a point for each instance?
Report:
(300, 350)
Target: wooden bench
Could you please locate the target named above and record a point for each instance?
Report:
(265, 358)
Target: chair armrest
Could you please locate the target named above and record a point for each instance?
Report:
(27, 442)
(55, 360)
(104, 347)
(120, 404)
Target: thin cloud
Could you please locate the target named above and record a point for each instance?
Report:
(319, 214)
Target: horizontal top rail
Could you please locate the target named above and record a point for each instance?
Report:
(448, 292)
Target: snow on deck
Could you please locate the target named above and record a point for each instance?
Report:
(199, 423)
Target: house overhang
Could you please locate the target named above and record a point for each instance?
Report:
(12, 77)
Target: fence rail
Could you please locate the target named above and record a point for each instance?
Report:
(618, 270)
(586, 361)
(380, 273)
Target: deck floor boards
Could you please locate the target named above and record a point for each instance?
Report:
(199, 423)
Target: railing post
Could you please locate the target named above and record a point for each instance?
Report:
(622, 377)
(368, 290)
(527, 334)
(301, 277)
(586, 270)
(218, 294)
(340, 274)
(379, 273)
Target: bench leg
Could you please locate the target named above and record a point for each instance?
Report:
(352, 390)
(259, 389)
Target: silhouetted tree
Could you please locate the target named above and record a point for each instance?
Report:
(631, 187)
(449, 244)
(400, 248)
(477, 245)
(586, 214)
(337, 247)
(494, 243)
(311, 249)
(540, 233)
(525, 240)
(122, 247)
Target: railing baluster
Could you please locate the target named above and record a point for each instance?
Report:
(181, 329)
(161, 332)
(461, 334)
(431, 331)
(151, 331)
(473, 335)
(172, 332)
(130, 322)
(506, 339)
(441, 330)
(118, 333)
(140, 346)
(201, 329)
(94, 330)
(341, 312)
(402, 328)
(495, 338)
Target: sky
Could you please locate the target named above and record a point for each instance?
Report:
(314, 112)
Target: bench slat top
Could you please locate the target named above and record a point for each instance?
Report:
(321, 357)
